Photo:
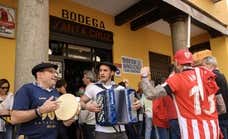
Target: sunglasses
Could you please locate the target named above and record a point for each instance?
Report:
(4, 88)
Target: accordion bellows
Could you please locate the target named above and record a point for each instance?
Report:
(116, 107)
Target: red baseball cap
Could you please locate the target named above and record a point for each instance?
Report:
(183, 56)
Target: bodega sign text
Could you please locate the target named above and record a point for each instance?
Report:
(82, 19)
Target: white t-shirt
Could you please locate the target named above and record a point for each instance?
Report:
(87, 116)
(91, 91)
(6, 103)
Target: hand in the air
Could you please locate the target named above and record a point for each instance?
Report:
(92, 107)
(49, 105)
(145, 72)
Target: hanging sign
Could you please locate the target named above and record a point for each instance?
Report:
(7, 22)
(59, 25)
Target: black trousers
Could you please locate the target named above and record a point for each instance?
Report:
(62, 132)
(2, 135)
(88, 131)
(117, 135)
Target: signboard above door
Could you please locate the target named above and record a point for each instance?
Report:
(63, 26)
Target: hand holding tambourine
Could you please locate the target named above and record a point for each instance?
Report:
(69, 107)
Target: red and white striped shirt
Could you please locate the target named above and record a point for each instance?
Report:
(197, 115)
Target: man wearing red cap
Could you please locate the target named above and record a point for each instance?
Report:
(193, 91)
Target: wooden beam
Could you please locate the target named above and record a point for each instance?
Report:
(213, 33)
(171, 14)
(134, 11)
(146, 19)
(203, 11)
(197, 15)
(215, 1)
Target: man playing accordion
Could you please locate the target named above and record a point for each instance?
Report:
(106, 72)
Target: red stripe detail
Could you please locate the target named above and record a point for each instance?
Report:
(210, 129)
(201, 129)
(190, 130)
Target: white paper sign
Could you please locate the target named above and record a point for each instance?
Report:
(131, 65)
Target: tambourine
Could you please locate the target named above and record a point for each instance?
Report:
(69, 107)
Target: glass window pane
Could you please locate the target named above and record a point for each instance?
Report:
(79, 52)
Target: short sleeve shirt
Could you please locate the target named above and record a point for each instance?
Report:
(91, 92)
(31, 96)
(185, 88)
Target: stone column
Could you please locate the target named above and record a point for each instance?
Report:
(32, 38)
(178, 27)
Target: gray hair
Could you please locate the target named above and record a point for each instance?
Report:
(90, 75)
(210, 60)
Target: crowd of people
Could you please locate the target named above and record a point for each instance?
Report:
(192, 103)
(195, 94)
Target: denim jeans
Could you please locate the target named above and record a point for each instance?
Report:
(161, 133)
(174, 129)
(148, 127)
(224, 127)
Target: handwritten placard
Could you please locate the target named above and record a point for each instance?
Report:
(131, 65)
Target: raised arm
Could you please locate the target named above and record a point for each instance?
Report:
(148, 89)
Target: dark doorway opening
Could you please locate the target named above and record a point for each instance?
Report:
(75, 59)
(74, 74)
(159, 66)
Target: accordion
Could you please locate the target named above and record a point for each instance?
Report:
(116, 107)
